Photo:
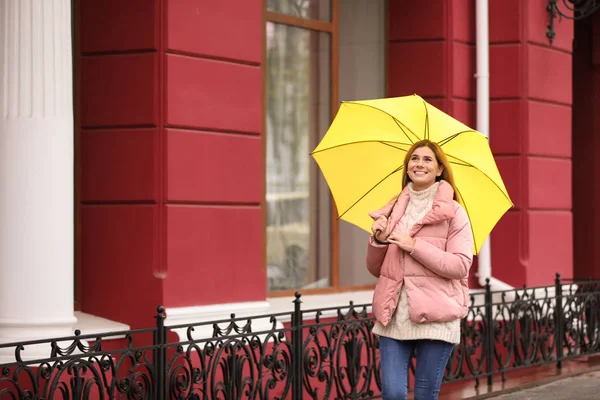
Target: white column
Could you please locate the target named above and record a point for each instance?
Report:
(36, 172)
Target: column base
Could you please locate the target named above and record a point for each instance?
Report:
(15, 334)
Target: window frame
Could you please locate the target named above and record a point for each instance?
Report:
(331, 27)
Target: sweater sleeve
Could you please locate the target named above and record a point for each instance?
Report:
(455, 262)
(375, 255)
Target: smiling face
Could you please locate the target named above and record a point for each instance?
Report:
(423, 168)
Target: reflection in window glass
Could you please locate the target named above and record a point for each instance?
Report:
(297, 198)
(310, 9)
(362, 54)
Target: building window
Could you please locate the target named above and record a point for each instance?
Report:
(317, 52)
(308, 9)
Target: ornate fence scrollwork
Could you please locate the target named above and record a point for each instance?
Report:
(78, 370)
(234, 363)
(340, 354)
(326, 353)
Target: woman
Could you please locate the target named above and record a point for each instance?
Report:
(421, 253)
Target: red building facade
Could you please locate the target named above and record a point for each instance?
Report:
(172, 141)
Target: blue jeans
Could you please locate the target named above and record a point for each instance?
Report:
(395, 355)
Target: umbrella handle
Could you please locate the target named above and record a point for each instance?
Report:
(377, 232)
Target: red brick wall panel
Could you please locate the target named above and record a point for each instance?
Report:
(505, 18)
(119, 256)
(214, 255)
(550, 76)
(117, 25)
(224, 29)
(463, 17)
(119, 165)
(464, 84)
(417, 20)
(119, 90)
(506, 128)
(505, 71)
(417, 68)
(465, 111)
(549, 129)
(212, 94)
(506, 241)
(214, 167)
(551, 246)
(549, 183)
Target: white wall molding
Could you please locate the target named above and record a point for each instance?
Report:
(89, 324)
(217, 312)
(276, 305)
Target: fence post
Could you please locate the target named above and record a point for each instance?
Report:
(490, 337)
(558, 321)
(297, 348)
(160, 355)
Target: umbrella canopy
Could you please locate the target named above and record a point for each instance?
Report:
(362, 154)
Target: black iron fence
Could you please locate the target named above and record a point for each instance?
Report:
(327, 353)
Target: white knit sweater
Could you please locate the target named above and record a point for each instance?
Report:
(400, 326)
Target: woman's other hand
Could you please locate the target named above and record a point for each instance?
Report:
(403, 241)
(380, 229)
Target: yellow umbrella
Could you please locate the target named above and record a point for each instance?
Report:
(362, 155)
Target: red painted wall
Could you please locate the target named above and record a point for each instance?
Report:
(214, 177)
(170, 176)
(432, 53)
(118, 135)
(530, 134)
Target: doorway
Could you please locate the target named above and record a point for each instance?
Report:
(585, 145)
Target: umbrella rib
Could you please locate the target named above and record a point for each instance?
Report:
(466, 164)
(450, 138)
(361, 141)
(426, 133)
(395, 147)
(463, 165)
(402, 129)
(467, 211)
(391, 116)
(370, 190)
